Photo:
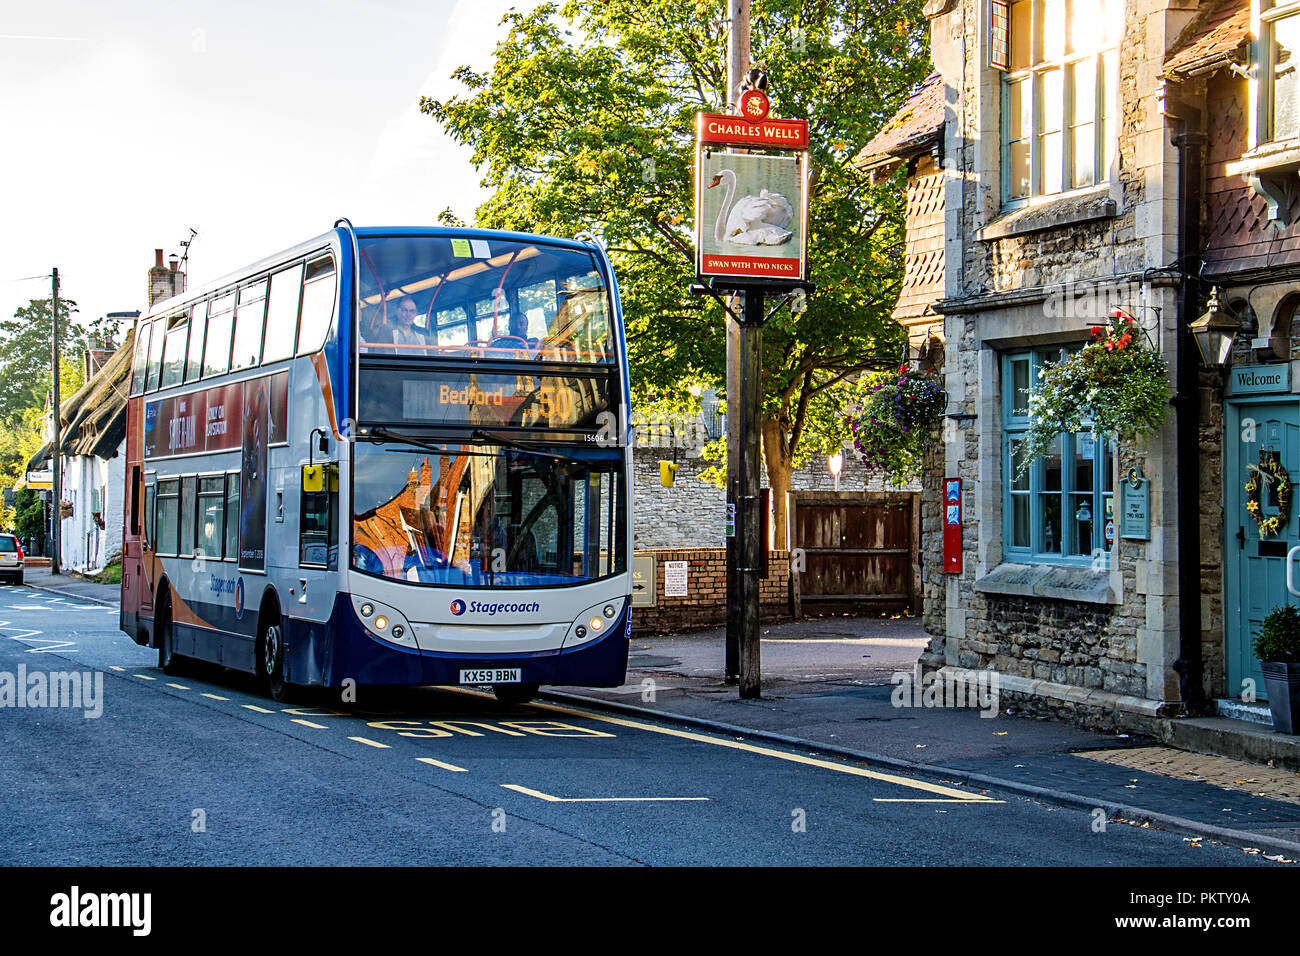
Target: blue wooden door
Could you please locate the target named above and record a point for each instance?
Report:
(1256, 564)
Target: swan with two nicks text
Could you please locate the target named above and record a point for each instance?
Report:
(754, 220)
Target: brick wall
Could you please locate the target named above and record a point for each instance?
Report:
(705, 604)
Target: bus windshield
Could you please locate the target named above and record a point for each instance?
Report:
(487, 516)
(488, 298)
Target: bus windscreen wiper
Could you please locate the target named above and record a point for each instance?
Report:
(479, 434)
(517, 445)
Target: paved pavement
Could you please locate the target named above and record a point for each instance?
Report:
(830, 684)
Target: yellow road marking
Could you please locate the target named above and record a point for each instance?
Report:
(144, 677)
(923, 785)
(445, 766)
(552, 799)
(308, 723)
(260, 710)
(178, 686)
(215, 697)
(115, 667)
(933, 800)
(370, 743)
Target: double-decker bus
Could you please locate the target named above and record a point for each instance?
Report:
(386, 456)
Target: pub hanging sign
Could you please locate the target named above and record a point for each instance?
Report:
(751, 194)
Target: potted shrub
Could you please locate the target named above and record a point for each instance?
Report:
(1277, 645)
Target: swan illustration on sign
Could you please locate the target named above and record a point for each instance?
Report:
(749, 215)
(754, 220)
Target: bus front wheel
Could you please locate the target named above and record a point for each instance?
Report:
(515, 693)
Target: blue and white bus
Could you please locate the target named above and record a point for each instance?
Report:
(386, 456)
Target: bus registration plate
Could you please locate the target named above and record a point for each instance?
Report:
(491, 675)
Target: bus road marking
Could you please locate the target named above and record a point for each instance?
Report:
(144, 676)
(260, 710)
(370, 743)
(553, 799)
(214, 697)
(445, 766)
(927, 787)
(934, 800)
(308, 723)
(178, 686)
(114, 667)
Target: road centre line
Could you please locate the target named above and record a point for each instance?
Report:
(553, 799)
(144, 676)
(923, 785)
(178, 686)
(445, 766)
(214, 697)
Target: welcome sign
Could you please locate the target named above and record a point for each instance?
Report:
(1259, 379)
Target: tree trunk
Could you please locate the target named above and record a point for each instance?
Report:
(779, 474)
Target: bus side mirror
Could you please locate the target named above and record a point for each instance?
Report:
(313, 478)
(667, 474)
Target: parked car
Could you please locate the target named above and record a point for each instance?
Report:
(11, 559)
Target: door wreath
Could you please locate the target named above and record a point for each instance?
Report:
(1271, 470)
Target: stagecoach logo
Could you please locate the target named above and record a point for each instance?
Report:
(458, 607)
(239, 600)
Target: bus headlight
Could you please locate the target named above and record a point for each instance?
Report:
(384, 622)
(593, 622)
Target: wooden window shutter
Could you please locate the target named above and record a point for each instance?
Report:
(999, 35)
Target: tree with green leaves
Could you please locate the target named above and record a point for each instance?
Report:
(586, 122)
(25, 381)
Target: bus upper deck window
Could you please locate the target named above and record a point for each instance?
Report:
(317, 305)
(141, 361)
(194, 357)
(282, 314)
(216, 350)
(249, 319)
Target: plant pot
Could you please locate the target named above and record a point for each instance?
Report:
(1283, 683)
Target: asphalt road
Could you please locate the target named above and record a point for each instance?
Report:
(203, 769)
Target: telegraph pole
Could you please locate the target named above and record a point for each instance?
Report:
(54, 446)
(737, 67)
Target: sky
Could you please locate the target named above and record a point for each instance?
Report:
(127, 123)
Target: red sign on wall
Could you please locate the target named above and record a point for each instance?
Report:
(952, 526)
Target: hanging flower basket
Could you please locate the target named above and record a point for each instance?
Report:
(898, 417)
(1114, 385)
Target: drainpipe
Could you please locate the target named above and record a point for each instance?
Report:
(1189, 141)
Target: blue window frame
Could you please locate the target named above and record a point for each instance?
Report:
(1061, 509)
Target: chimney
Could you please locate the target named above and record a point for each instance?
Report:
(172, 261)
(164, 282)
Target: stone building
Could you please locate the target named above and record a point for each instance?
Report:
(1129, 154)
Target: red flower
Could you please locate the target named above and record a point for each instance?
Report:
(1096, 331)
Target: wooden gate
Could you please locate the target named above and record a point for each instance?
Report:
(856, 548)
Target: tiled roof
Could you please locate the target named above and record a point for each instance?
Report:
(911, 129)
(1211, 38)
(923, 260)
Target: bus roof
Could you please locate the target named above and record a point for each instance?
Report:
(339, 235)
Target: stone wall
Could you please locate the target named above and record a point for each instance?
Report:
(692, 514)
(1095, 640)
